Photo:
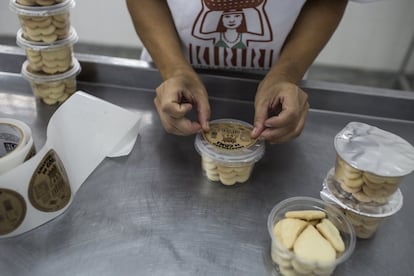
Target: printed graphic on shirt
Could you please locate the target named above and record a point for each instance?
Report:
(226, 30)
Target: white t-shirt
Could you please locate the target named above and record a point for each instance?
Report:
(235, 34)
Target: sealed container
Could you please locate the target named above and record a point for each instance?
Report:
(371, 163)
(228, 153)
(309, 237)
(365, 217)
(49, 58)
(44, 23)
(52, 89)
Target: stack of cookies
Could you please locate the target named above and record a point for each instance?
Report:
(47, 37)
(364, 186)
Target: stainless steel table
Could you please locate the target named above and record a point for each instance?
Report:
(153, 213)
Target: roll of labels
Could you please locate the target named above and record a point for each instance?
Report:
(37, 187)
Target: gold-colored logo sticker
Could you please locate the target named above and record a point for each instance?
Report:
(229, 136)
(12, 211)
(49, 188)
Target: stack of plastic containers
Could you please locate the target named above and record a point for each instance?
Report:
(47, 37)
(371, 163)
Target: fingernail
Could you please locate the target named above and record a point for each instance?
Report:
(254, 131)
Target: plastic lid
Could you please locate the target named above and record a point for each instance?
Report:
(229, 142)
(331, 193)
(41, 10)
(39, 77)
(374, 150)
(43, 46)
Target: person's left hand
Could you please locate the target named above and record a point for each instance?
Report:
(281, 108)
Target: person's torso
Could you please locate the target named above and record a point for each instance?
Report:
(234, 34)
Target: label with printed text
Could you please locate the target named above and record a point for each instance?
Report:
(49, 188)
(229, 136)
(12, 211)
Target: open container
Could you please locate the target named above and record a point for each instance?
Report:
(49, 58)
(365, 217)
(291, 261)
(371, 163)
(228, 153)
(44, 23)
(52, 89)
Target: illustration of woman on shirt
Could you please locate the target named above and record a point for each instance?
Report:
(231, 29)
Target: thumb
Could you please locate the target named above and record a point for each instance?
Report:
(203, 110)
(260, 117)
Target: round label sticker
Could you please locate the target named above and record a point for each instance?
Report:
(229, 136)
(49, 188)
(12, 211)
(10, 138)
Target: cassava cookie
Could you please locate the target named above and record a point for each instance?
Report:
(306, 214)
(313, 247)
(331, 233)
(381, 179)
(288, 229)
(348, 189)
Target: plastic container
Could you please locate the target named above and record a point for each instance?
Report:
(52, 89)
(228, 153)
(48, 58)
(291, 261)
(371, 163)
(44, 23)
(366, 218)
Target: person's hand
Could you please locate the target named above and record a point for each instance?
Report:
(281, 109)
(177, 96)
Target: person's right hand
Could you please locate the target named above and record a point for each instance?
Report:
(175, 97)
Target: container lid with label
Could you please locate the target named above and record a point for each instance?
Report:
(374, 150)
(43, 46)
(41, 10)
(229, 142)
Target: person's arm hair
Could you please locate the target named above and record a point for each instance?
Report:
(155, 27)
(314, 27)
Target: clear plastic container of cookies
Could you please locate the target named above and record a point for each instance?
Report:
(49, 58)
(47, 23)
(371, 163)
(52, 89)
(309, 237)
(366, 218)
(228, 153)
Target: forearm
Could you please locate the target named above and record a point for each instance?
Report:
(155, 27)
(316, 23)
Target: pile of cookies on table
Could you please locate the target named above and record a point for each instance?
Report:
(370, 166)
(47, 37)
